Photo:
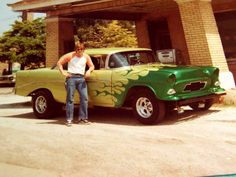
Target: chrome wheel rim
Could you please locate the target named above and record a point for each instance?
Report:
(41, 104)
(144, 107)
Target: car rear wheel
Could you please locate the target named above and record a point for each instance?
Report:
(147, 109)
(43, 104)
(202, 105)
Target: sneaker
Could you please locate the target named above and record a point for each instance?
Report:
(85, 122)
(68, 123)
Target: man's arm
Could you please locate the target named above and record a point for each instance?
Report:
(64, 59)
(90, 65)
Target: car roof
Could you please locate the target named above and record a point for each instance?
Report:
(107, 51)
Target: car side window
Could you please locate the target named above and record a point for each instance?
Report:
(118, 60)
(140, 58)
(134, 58)
(65, 66)
(96, 62)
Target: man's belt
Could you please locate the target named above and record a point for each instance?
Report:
(77, 74)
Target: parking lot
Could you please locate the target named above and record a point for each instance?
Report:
(115, 144)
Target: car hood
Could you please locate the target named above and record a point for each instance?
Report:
(180, 71)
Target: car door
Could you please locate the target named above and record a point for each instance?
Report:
(99, 88)
(99, 84)
(56, 84)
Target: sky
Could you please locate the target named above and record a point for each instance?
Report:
(7, 16)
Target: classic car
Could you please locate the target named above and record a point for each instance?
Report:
(8, 79)
(126, 77)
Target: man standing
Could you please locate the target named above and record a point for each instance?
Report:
(75, 79)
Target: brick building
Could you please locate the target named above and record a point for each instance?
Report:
(197, 28)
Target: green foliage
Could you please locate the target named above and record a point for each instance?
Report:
(104, 33)
(116, 36)
(24, 43)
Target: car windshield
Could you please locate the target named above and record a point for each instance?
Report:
(131, 58)
(121, 59)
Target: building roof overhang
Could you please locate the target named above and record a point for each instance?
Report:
(109, 9)
(119, 9)
(48, 5)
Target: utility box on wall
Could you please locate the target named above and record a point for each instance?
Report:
(168, 56)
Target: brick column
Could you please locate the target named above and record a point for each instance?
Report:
(27, 16)
(59, 38)
(177, 36)
(201, 34)
(142, 34)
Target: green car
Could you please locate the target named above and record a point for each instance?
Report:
(126, 77)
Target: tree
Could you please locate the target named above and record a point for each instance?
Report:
(115, 35)
(24, 43)
(88, 32)
(106, 33)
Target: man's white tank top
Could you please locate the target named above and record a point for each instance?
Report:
(77, 65)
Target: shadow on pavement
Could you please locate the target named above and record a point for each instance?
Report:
(16, 105)
(125, 117)
(173, 117)
(111, 116)
(105, 116)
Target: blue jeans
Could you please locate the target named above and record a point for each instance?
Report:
(78, 83)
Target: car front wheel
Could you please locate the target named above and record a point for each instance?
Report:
(147, 109)
(42, 104)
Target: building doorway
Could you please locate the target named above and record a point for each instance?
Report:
(159, 35)
(227, 30)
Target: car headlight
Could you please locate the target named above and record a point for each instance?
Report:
(217, 83)
(216, 72)
(171, 91)
(171, 78)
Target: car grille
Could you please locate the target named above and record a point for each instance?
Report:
(194, 86)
